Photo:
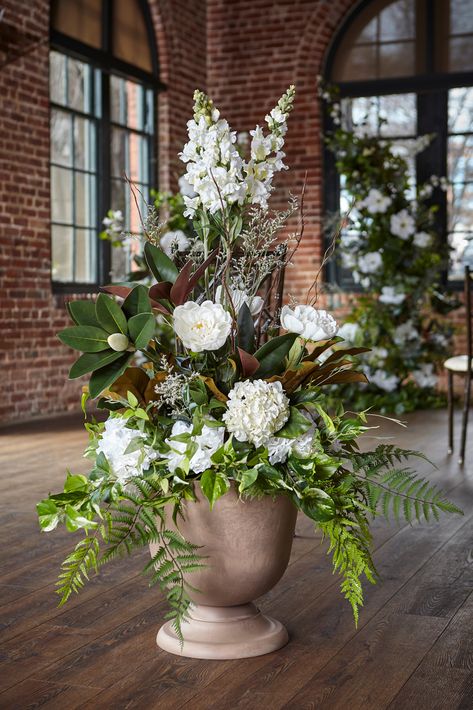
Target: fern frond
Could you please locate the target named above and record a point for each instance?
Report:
(76, 567)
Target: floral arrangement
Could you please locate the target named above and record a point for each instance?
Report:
(231, 401)
(390, 245)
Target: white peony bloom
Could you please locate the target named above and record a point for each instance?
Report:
(375, 202)
(174, 241)
(422, 240)
(385, 382)
(349, 332)
(256, 410)
(425, 376)
(370, 262)
(309, 323)
(239, 297)
(391, 297)
(208, 441)
(114, 440)
(202, 327)
(402, 224)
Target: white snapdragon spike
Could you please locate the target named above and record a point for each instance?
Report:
(391, 296)
(404, 333)
(114, 441)
(425, 376)
(256, 410)
(384, 381)
(185, 188)
(349, 332)
(308, 322)
(422, 240)
(370, 263)
(202, 327)
(402, 225)
(375, 202)
(239, 297)
(174, 241)
(208, 441)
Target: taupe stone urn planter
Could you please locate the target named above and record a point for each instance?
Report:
(247, 545)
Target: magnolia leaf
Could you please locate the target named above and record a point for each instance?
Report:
(88, 362)
(338, 354)
(209, 381)
(214, 485)
(246, 329)
(134, 380)
(321, 348)
(104, 377)
(161, 266)
(110, 315)
(116, 290)
(86, 338)
(142, 328)
(271, 355)
(137, 301)
(296, 425)
(161, 290)
(83, 313)
(346, 376)
(249, 364)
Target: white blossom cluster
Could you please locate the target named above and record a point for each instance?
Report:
(217, 173)
(174, 242)
(208, 441)
(114, 441)
(425, 376)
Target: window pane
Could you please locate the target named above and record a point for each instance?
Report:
(130, 36)
(460, 110)
(460, 208)
(84, 256)
(81, 19)
(460, 53)
(79, 85)
(396, 59)
(461, 16)
(84, 144)
(127, 103)
(85, 212)
(357, 64)
(458, 242)
(61, 137)
(460, 158)
(61, 195)
(57, 78)
(397, 21)
(119, 153)
(400, 114)
(61, 253)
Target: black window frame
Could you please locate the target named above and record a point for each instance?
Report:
(104, 61)
(431, 89)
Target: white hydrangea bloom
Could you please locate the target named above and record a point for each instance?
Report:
(202, 327)
(422, 240)
(174, 241)
(208, 441)
(239, 297)
(425, 376)
(402, 225)
(256, 410)
(384, 381)
(391, 296)
(114, 440)
(375, 202)
(308, 322)
(370, 262)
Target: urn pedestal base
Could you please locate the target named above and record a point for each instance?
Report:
(217, 632)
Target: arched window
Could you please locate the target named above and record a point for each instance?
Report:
(410, 62)
(103, 83)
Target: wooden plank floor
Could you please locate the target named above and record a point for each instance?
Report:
(413, 649)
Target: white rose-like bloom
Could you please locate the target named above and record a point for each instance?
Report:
(208, 441)
(402, 224)
(349, 332)
(425, 376)
(202, 327)
(375, 202)
(256, 410)
(385, 382)
(176, 239)
(115, 439)
(390, 296)
(308, 322)
(239, 297)
(422, 240)
(370, 262)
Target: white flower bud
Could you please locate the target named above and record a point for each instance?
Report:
(118, 342)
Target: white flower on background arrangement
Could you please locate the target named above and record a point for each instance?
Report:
(422, 240)
(202, 327)
(405, 332)
(114, 441)
(384, 381)
(391, 296)
(425, 376)
(370, 263)
(174, 241)
(349, 332)
(208, 441)
(375, 202)
(238, 298)
(256, 410)
(402, 225)
(308, 322)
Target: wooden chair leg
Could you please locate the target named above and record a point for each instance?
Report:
(450, 411)
(466, 409)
